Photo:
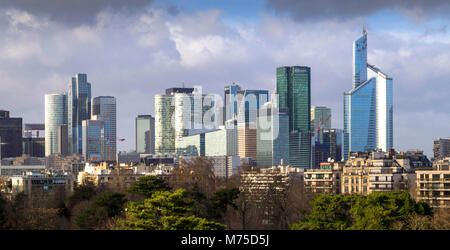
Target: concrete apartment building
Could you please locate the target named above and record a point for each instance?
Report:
(326, 179)
(433, 184)
(121, 177)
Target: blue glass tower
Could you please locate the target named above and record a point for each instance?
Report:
(368, 106)
(79, 109)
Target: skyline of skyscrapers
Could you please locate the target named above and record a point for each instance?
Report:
(368, 106)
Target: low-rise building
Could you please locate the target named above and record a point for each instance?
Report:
(70, 164)
(223, 166)
(433, 184)
(37, 182)
(367, 172)
(121, 177)
(20, 170)
(326, 179)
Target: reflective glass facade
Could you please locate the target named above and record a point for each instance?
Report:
(164, 130)
(368, 107)
(360, 60)
(93, 132)
(79, 109)
(272, 137)
(294, 93)
(223, 141)
(105, 108)
(145, 134)
(243, 104)
(55, 115)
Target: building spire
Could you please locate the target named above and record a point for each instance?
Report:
(364, 32)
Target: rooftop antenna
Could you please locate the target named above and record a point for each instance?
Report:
(364, 30)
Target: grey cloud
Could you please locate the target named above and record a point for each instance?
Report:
(347, 9)
(73, 12)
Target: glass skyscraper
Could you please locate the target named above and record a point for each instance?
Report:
(368, 106)
(243, 104)
(55, 116)
(105, 108)
(145, 134)
(79, 109)
(272, 135)
(93, 147)
(294, 93)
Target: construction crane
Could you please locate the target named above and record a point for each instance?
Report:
(320, 124)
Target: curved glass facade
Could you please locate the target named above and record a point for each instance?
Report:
(55, 115)
(164, 130)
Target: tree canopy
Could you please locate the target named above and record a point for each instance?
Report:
(147, 185)
(165, 211)
(376, 211)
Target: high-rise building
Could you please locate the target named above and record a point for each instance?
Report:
(145, 134)
(243, 104)
(79, 109)
(164, 129)
(55, 116)
(94, 140)
(34, 139)
(294, 93)
(368, 106)
(104, 107)
(63, 140)
(178, 113)
(320, 120)
(10, 135)
(34, 130)
(272, 148)
(441, 148)
(330, 147)
(223, 141)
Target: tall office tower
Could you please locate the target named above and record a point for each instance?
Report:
(93, 132)
(79, 109)
(105, 107)
(34, 130)
(145, 134)
(164, 124)
(247, 139)
(330, 147)
(63, 140)
(181, 112)
(10, 135)
(243, 104)
(55, 115)
(368, 106)
(34, 140)
(294, 93)
(320, 120)
(441, 148)
(272, 148)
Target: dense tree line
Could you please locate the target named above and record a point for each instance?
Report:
(192, 198)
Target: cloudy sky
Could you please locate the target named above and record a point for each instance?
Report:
(133, 49)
